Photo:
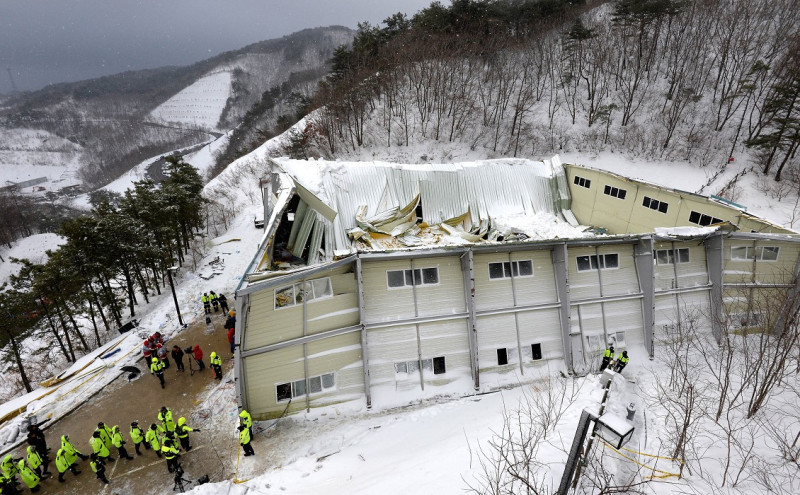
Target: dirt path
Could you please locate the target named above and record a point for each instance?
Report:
(198, 397)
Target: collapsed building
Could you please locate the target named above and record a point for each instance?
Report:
(384, 283)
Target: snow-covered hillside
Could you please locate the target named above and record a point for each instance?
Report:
(27, 154)
(200, 104)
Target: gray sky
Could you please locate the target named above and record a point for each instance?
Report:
(51, 41)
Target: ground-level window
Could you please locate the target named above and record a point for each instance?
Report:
(502, 356)
(308, 291)
(507, 269)
(408, 278)
(702, 219)
(761, 253)
(655, 204)
(408, 367)
(615, 192)
(671, 256)
(536, 351)
(297, 388)
(737, 321)
(601, 261)
(580, 181)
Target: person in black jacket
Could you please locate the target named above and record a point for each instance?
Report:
(223, 302)
(177, 355)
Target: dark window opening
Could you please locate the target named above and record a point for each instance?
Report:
(418, 211)
(502, 357)
(438, 365)
(536, 351)
(580, 181)
(284, 391)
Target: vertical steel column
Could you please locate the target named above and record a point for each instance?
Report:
(602, 294)
(714, 258)
(790, 306)
(416, 325)
(239, 378)
(305, 346)
(516, 313)
(468, 274)
(364, 342)
(643, 259)
(561, 273)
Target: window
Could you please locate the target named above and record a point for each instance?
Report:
(407, 278)
(762, 253)
(309, 290)
(438, 365)
(536, 351)
(615, 192)
(655, 204)
(743, 320)
(602, 261)
(671, 256)
(702, 219)
(508, 269)
(316, 384)
(502, 357)
(580, 181)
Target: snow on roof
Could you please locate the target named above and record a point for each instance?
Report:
(513, 195)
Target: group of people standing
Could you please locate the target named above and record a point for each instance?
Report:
(608, 360)
(151, 351)
(218, 301)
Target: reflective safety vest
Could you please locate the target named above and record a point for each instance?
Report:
(9, 469)
(622, 359)
(183, 431)
(99, 448)
(244, 436)
(34, 460)
(245, 419)
(96, 465)
(153, 437)
(62, 462)
(70, 451)
(166, 420)
(117, 439)
(137, 435)
(169, 451)
(105, 435)
(608, 354)
(212, 297)
(28, 476)
(205, 299)
(157, 367)
(215, 360)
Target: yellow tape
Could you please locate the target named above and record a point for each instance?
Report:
(651, 455)
(667, 474)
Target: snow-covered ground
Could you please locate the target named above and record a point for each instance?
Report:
(27, 154)
(32, 248)
(200, 104)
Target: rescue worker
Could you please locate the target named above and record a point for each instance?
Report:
(246, 420)
(608, 354)
(29, 477)
(182, 431)
(206, 302)
(105, 435)
(137, 437)
(99, 467)
(8, 466)
(36, 435)
(216, 365)
(34, 459)
(99, 447)
(622, 361)
(197, 353)
(8, 485)
(63, 463)
(171, 454)
(147, 349)
(70, 450)
(244, 440)
(230, 321)
(157, 370)
(153, 437)
(223, 302)
(213, 300)
(177, 355)
(165, 416)
(119, 443)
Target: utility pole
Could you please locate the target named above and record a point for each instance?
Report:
(170, 270)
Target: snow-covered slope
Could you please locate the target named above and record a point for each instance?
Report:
(200, 104)
(27, 154)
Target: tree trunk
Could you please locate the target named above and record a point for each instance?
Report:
(18, 360)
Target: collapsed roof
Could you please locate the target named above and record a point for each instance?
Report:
(323, 210)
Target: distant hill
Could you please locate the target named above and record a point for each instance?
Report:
(112, 117)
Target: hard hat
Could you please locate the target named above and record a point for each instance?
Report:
(213, 355)
(181, 421)
(232, 313)
(154, 360)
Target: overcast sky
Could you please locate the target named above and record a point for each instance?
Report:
(51, 41)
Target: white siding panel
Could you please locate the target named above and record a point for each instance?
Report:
(625, 316)
(622, 280)
(263, 372)
(491, 293)
(381, 302)
(541, 327)
(448, 296)
(584, 284)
